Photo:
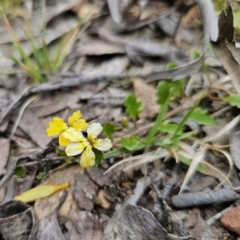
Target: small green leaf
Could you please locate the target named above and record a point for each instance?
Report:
(195, 54)
(165, 87)
(109, 129)
(61, 152)
(171, 65)
(188, 162)
(182, 136)
(155, 128)
(167, 127)
(233, 100)
(201, 116)
(133, 106)
(41, 175)
(98, 155)
(115, 152)
(187, 116)
(20, 171)
(177, 86)
(130, 143)
(163, 90)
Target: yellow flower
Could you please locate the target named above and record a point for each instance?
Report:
(83, 145)
(57, 127)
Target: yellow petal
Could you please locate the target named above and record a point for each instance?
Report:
(103, 144)
(40, 192)
(75, 148)
(73, 135)
(74, 117)
(93, 131)
(80, 125)
(87, 158)
(56, 126)
(63, 142)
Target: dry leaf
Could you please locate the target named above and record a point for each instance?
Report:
(40, 192)
(147, 94)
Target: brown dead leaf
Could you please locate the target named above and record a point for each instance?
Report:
(147, 94)
(34, 127)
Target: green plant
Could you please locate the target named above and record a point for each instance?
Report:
(167, 138)
(12, 8)
(44, 60)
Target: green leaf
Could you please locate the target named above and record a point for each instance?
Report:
(233, 100)
(187, 116)
(109, 129)
(195, 54)
(163, 90)
(171, 65)
(167, 127)
(182, 136)
(61, 152)
(130, 143)
(115, 152)
(177, 86)
(20, 171)
(133, 106)
(165, 87)
(155, 128)
(188, 162)
(98, 155)
(201, 116)
(41, 175)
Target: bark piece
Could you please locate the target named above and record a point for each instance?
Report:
(147, 95)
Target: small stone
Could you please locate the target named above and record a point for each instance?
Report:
(231, 220)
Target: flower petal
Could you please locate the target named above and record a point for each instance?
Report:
(80, 125)
(73, 135)
(74, 149)
(94, 130)
(87, 158)
(103, 144)
(74, 117)
(63, 142)
(56, 126)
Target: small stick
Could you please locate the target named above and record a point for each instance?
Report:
(202, 198)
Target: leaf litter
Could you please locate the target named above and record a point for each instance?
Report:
(109, 50)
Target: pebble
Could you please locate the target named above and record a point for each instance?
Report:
(231, 220)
